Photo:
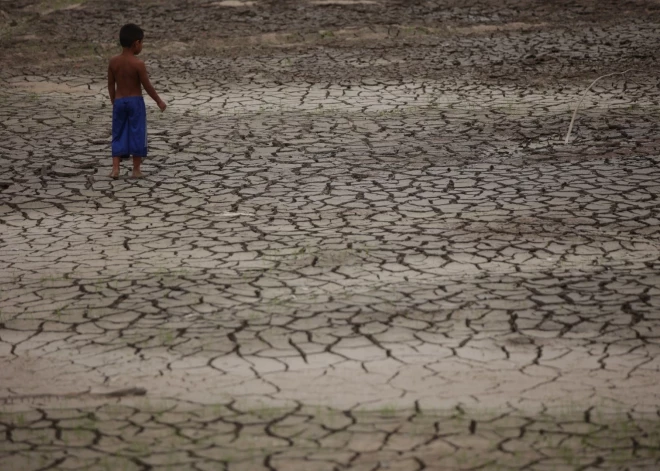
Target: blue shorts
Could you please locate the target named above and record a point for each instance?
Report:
(129, 127)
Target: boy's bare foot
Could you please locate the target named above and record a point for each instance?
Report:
(116, 163)
(137, 163)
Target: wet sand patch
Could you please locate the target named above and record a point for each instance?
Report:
(343, 2)
(52, 87)
(47, 7)
(232, 4)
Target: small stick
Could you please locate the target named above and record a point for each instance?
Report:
(577, 107)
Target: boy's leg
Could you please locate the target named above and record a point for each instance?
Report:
(119, 135)
(115, 167)
(137, 162)
(138, 133)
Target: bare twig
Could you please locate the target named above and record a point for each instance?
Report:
(577, 107)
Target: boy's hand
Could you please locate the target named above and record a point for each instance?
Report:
(161, 105)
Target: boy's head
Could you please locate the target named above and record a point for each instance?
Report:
(129, 35)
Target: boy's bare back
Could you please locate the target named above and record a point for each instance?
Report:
(125, 70)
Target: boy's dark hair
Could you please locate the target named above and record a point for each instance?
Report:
(129, 34)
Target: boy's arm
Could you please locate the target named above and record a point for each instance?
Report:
(111, 85)
(146, 83)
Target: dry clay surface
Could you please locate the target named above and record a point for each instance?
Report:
(361, 242)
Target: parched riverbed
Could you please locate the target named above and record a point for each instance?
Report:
(362, 242)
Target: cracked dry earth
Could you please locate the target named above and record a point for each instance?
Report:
(361, 244)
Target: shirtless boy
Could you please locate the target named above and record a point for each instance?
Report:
(126, 76)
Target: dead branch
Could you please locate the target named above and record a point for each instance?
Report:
(577, 107)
